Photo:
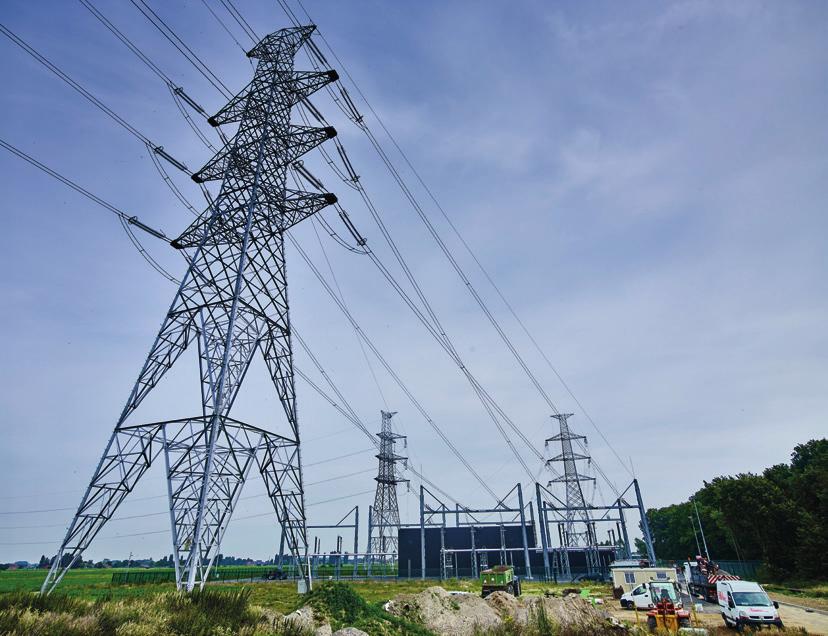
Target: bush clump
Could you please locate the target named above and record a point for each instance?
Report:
(340, 604)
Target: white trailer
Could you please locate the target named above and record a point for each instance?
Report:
(628, 578)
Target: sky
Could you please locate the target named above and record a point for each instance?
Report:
(645, 182)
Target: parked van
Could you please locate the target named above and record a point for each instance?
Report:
(745, 603)
(646, 595)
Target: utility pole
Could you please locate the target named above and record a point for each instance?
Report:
(701, 529)
(695, 534)
(232, 304)
(386, 511)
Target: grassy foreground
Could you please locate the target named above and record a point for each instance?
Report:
(86, 604)
(216, 611)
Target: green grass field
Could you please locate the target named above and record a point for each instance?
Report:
(278, 595)
(87, 604)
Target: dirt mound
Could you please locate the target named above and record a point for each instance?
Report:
(305, 621)
(466, 614)
(570, 613)
(508, 607)
(446, 613)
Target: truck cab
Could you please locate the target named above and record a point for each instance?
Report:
(646, 595)
(746, 604)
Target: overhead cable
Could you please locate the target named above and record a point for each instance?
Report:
(389, 369)
(159, 150)
(171, 36)
(239, 18)
(178, 94)
(224, 26)
(353, 113)
(127, 221)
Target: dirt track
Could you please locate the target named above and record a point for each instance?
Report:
(814, 622)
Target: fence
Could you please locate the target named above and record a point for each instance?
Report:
(260, 573)
(743, 569)
(143, 577)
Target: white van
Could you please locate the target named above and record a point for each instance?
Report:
(646, 595)
(745, 603)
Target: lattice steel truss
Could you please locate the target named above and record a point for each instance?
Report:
(232, 302)
(385, 515)
(578, 527)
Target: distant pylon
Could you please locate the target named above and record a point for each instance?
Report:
(385, 517)
(576, 507)
(232, 303)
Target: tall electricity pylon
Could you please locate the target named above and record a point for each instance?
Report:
(385, 518)
(576, 506)
(232, 303)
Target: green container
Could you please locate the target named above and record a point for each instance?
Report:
(498, 575)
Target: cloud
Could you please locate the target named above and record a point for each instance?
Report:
(645, 183)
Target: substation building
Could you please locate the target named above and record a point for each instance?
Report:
(555, 533)
(466, 550)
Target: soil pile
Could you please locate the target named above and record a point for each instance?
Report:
(571, 614)
(467, 614)
(446, 613)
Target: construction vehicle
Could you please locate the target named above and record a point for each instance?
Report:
(662, 601)
(499, 578)
(665, 616)
(746, 604)
(650, 593)
(701, 577)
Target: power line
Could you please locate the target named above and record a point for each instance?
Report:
(125, 219)
(433, 424)
(389, 369)
(432, 323)
(224, 26)
(358, 120)
(256, 478)
(156, 149)
(80, 89)
(435, 328)
(165, 531)
(342, 298)
(145, 58)
(330, 459)
(170, 35)
(127, 42)
(176, 92)
(239, 18)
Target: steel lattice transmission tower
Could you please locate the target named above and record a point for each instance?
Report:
(232, 303)
(576, 505)
(385, 517)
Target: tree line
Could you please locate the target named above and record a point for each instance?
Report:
(164, 562)
(779, 517)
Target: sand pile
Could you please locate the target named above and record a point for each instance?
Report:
(447, 613)
(571, 613)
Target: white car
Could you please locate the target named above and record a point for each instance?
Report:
(646, 595)
(746, 604)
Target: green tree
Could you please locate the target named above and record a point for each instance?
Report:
(779, 517)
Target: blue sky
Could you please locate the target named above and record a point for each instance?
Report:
(646, 182)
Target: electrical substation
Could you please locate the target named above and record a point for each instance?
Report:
(564, 519)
